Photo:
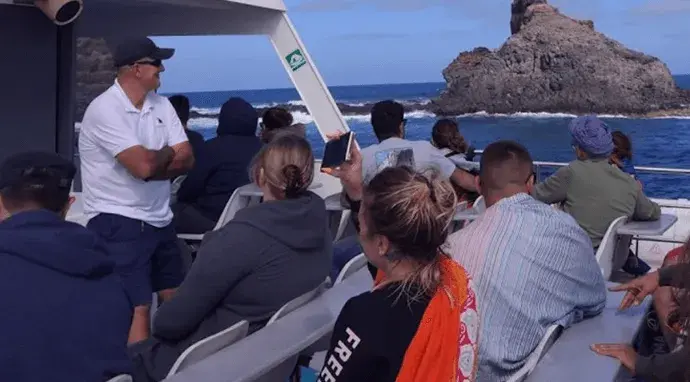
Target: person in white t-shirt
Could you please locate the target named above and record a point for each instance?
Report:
(393, 150)
(131, 144)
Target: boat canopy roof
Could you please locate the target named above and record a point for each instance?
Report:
(118, 18)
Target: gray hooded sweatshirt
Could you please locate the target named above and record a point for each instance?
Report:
(267, 255)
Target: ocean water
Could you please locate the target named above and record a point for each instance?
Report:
(657, 142)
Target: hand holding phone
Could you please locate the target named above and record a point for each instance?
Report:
(336, 152)
(349, 171)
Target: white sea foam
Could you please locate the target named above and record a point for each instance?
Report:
(306, 118)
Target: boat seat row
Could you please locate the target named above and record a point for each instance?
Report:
(271, 353)
(211, 345)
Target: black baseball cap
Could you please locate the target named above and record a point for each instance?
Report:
(38, 169)
(132, 50)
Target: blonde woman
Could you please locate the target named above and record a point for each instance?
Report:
(420, 321)
(267, 255)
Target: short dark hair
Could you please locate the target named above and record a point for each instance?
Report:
(276, 118)
(504, 163)
(181, 105)
(622, 146)
(386, 118)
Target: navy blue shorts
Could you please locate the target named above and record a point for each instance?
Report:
(147, 258)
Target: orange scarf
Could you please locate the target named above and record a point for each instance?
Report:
(434, 351)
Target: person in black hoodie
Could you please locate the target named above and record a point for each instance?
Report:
(219, 170)
(66, 315)
(181, 105)
(267, 255)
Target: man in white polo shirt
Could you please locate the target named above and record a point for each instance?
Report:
(131, 144)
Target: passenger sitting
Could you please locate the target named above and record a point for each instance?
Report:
(267, 255)
(513, 251)
(388, 121)
(420, 322)
(277, 120)
(666, 299)
(181, 105)
(672, 367)
(622, 153)
(446, 137)
(593, 191)
(219, 170)
(66, 315)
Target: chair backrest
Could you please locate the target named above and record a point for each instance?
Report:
(551, 335)
(356, 263)
(234, 204)
(479, 205)
(209, 346)
(607, 249)
(177, 183)
(121, 378)
(344, 221)
(299, 301)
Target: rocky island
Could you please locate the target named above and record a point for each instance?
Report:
(554, 63)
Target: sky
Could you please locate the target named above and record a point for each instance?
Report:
(356, 42)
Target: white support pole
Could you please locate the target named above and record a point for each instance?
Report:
(306, 78)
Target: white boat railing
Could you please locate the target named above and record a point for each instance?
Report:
(538, 165)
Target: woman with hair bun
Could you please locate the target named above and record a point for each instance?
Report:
(267, 255)
(278, 121)
(420, 321)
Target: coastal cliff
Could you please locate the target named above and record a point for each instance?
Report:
(553, 63)
(95, 71)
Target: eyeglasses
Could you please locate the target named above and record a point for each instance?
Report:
(156, 63)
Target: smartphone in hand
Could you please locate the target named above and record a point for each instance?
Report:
(337, 152)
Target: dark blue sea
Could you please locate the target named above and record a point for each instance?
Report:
(659, 142)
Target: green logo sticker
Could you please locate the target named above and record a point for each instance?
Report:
(296, 59)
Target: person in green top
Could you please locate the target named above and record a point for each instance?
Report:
(592, 190)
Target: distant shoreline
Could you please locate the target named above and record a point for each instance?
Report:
(685, 77)
(364, 108)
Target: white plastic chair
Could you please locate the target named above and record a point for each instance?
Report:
(299, 301)
(607, 249)
(344, 221)
(175, 186)
(121, 378)
(479, 205)
(209, 346)
(551, 335)
(356, 263)
(234, 204)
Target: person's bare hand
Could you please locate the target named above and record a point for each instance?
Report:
(349, 172)
(637, 289)
(622, 352)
